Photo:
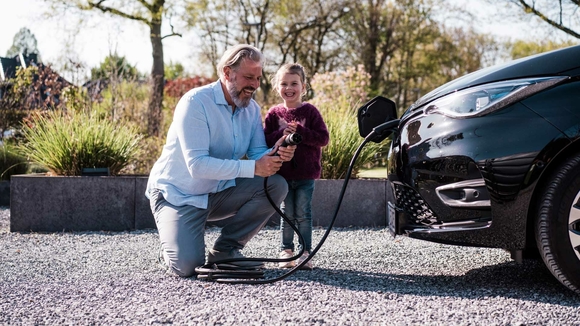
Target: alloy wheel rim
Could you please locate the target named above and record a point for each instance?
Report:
(574, 225)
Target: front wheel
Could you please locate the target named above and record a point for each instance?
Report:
(557, 224)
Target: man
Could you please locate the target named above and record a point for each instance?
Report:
(213, 166)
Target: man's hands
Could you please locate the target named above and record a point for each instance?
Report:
(270, 164)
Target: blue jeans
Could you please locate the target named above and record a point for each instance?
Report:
(298, 209)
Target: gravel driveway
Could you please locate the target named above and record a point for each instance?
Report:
(363, 277)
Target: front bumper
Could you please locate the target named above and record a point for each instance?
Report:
(466, 181)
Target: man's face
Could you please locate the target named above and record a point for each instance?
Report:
(243, 82)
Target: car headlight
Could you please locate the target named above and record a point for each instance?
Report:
(484, 99)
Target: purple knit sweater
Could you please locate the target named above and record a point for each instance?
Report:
(311, 126)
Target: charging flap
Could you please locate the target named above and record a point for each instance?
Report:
(374, 113)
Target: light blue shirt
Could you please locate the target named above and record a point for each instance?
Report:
(205, 146)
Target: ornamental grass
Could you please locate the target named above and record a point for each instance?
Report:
(67, 143)
(338, 95)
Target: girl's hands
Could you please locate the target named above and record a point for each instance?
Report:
(291, 128)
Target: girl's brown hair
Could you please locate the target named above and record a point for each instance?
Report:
(290, 68)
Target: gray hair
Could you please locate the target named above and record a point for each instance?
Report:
(236, 54)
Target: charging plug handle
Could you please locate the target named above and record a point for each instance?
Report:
(292, 139)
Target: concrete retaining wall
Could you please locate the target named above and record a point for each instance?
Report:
(40, 203)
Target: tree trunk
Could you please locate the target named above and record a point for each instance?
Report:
(157, 80)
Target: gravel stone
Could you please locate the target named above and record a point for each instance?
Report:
(362, 277)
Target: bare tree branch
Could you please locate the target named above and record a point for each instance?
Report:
(173, 33)
(532, 9)
(101, 7)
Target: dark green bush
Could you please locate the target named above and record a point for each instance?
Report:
(11, 162)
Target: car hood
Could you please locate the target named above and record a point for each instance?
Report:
(564, 62)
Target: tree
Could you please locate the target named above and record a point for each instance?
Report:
(174, 70)
(24, 42)
(371, 29)
(114, 66)
(314, 36)
(404, 45)
(561, 14)
(302, 31)
(149, 13)
(212, 18)
(520, 49)
(223, 23)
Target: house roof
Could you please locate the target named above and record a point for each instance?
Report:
(8, 66)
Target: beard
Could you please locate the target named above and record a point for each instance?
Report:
(237, 96)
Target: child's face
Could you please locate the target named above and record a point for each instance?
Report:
(290, 88)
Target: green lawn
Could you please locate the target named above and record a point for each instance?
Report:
(376, 173)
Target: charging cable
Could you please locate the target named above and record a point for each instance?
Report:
(254, 276)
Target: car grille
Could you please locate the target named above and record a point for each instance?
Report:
(411, 202)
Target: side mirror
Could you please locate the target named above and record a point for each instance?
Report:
(374, 113)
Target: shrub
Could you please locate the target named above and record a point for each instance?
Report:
(125, 101)
(178, 87)
(34, 88)
(149, 151)
(66, 144)
(11, 162)
(343, 90)
(337, 95)
(114, 66)
(13, 95)
(344, 140)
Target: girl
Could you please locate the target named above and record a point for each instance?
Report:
(295, 116)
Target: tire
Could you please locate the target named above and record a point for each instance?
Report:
(557, 224)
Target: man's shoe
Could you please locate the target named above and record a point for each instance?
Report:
(285, 254)
(163, 264)
(161, 260)
(215, 256)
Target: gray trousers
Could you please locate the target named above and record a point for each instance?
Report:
(182, 228)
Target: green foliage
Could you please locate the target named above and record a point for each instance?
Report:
(11, 163)
(114, 67)
(174, 70)
(35, 89)
(344, 140)
(520, 49)
(149, 151)
(125, 101)
(12, 103)
(75, 98)
(337, 96)
(66, 144)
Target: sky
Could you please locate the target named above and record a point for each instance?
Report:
(92, 44)
(89, 45)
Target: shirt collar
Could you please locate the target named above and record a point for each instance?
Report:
(220, 98)
(218, 93)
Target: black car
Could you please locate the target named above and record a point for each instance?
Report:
(491, 159)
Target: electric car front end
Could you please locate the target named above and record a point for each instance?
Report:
(492, 159)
